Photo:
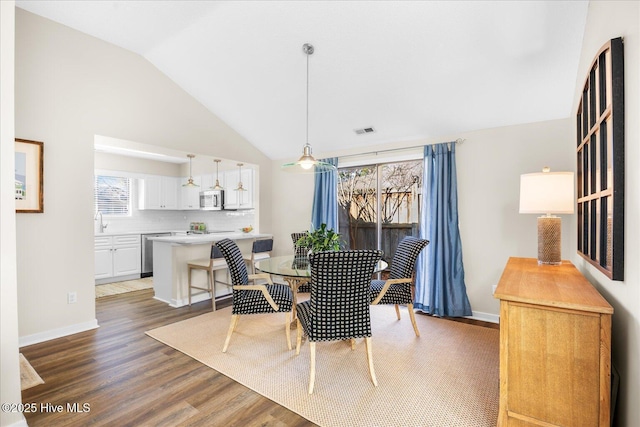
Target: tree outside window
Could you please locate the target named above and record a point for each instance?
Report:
(399, 209)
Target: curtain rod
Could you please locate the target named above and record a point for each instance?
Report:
(457, 141)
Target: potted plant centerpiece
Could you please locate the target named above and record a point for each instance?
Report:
(320, 240)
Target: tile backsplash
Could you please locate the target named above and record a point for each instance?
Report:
(152, 220)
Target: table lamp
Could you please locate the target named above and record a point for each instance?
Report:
(548, 193)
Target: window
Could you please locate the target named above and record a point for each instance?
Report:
(112, 195)
(379, 205)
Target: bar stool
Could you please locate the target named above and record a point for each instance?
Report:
(214, 263)
(261, 249)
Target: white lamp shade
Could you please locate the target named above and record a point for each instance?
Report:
(547, 192)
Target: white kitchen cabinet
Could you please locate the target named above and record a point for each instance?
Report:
(234, 199)
(209, 181)
(117, 258)
(158, 192)
(104, 257)
(190, 196)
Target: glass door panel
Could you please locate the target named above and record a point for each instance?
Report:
(379, 205)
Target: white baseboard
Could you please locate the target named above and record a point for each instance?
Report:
(57, 333)
(194, 299)
(203, 296)
(484, 317)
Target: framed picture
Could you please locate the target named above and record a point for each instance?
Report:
(28, 176)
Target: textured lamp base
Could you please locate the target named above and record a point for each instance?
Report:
(549, 240)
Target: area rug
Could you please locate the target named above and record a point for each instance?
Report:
(28, 376)
(123, 287)
(449, 376)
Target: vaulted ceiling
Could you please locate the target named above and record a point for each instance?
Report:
(408, 69)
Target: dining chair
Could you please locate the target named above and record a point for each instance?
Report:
(260, 249)
(253, 298)
(300, 252)
(212, 264)
(398, 288)
(338, 308)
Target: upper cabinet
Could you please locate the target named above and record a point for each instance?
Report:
(234, 198)
(158, 192)
(190, 196)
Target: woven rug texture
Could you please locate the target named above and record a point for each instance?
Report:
(123, 287)
(449, 376)
(28, 376)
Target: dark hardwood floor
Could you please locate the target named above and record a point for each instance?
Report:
(119, 376)
(129, 379)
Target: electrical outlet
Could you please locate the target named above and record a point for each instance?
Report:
(72, 297)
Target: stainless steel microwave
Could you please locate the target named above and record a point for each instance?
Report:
(212, 200)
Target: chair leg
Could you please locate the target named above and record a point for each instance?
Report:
(232, 326)
(287, 327)
(298, 336)
(353, 343)
(398, 311)
(372, 372)
(412, 315)
(212, 287)
(189, 282)
(312, 366)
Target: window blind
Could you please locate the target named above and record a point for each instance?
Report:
(112, 195)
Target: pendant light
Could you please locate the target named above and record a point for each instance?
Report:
(240, 187)
(307, 163)
(190, 182)
(217, 186)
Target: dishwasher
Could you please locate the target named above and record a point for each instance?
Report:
(147, 252)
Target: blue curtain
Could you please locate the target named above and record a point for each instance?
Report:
(325, 198)
(440, 287)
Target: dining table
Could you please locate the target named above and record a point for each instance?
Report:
(296, 271)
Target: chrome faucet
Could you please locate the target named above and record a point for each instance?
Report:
(102, 224)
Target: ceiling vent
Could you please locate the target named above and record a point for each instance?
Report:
(364, 130)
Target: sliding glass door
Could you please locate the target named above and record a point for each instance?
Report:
(379, 204)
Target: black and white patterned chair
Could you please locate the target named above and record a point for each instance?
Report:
(339, 305)
(298, 250)
(397, 289)
(300, 257)
(253, 298)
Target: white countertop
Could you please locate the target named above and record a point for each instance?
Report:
(196, 239)
(126, 233)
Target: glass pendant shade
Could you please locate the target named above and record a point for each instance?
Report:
(240, 187)
(190, 182)
(307, 164)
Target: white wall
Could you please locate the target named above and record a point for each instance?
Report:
(607, 20)
(489, 162)
(9, 365)
(70, 87)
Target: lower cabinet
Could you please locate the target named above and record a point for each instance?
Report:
(555, 347)
(117, 258)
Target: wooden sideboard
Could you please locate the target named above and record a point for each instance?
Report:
(555, 347)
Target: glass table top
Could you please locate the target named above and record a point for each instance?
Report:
(294, 266)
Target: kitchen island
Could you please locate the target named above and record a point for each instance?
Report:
(171, 255)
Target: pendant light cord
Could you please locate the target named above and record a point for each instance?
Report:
(308, 98)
